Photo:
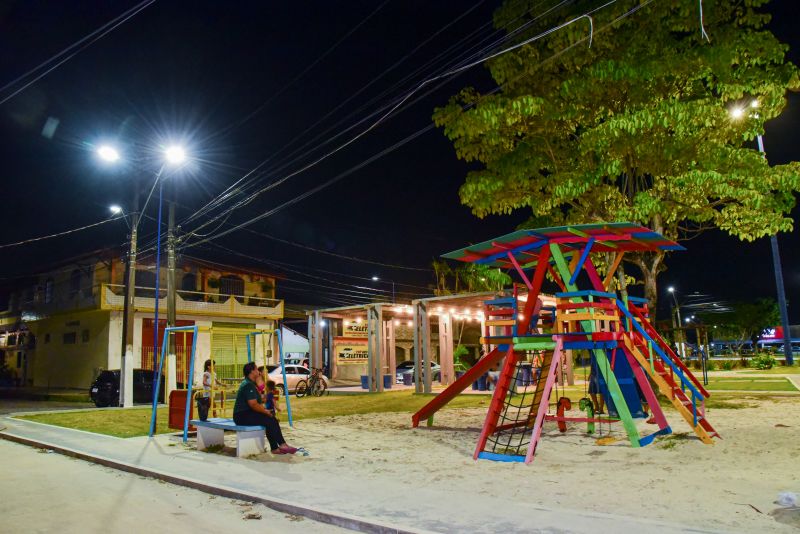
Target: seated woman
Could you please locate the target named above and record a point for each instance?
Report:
(248, 410)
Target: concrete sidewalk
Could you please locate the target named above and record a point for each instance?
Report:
(293, 485)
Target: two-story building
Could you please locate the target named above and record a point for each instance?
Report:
(75, 313)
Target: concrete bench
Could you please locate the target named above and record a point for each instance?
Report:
(249, 439)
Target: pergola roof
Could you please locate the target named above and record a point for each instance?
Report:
(525, 245)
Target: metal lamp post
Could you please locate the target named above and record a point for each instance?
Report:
(738, 113)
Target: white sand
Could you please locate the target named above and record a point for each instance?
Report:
(715, 487)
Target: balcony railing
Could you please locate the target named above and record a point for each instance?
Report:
(112, 297)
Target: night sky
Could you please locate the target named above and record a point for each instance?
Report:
(242, 82)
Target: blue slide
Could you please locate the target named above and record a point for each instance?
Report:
(627, 383)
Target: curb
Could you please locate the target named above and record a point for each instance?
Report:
(323, 516)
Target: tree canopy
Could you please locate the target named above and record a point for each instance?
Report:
(637, 127)
(746, 321)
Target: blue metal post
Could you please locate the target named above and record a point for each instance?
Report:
(157, 385)
(158, 271)
(283, 371)
(776, 265)
(189, 386)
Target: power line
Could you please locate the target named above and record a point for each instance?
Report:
(383, 117)
(58, 234)
(228, 192)
(93, 37)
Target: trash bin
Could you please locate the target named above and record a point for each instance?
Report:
(364, 382)
(177, 409)
(387, 381)
(482, 382)
(408, 379)
(524, 376)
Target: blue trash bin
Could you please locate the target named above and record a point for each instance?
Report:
(364, 382)
(482, 382)
(387, 381)
(408, 379)
(525, 376)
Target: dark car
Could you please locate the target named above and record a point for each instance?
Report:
(104, 391)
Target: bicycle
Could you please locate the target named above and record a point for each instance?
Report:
(314, 385)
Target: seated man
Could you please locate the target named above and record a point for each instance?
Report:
(248, 411)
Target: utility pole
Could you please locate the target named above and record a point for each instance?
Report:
(776, 265)
(129, 311)
(171, 346)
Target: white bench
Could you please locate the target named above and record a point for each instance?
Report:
(249, 439)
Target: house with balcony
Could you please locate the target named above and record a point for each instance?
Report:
(74, 313)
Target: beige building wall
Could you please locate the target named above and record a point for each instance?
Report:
(60, 363)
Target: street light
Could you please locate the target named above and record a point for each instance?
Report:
(375, 278)
(738, 113)
(115, 210)
(676, 324)
(175, 155)
(108, 153)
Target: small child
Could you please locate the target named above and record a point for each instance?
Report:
(261, 383)
(272, 398)
(204, 400)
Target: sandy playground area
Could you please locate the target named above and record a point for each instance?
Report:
(730, 486)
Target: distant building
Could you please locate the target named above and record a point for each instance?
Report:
(70, 318)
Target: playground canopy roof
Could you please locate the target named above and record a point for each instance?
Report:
(524, 245)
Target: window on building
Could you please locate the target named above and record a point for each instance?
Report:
(48, 291)
(69, 338)
(47, 338)
(75, 283)
(12, 340)
(231, 285)
(85, 335)
(19, 360)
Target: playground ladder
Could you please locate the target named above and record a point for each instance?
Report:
(665, 380)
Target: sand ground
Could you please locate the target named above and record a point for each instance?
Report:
(730, 486)
(43, 492)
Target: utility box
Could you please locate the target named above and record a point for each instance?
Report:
(177, 409)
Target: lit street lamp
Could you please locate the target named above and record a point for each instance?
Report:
(375, 279)
(737, 113)
(173, 155)
(677, 324)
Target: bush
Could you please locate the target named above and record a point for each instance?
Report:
(763, 361)
(710, 365)
(728, 365)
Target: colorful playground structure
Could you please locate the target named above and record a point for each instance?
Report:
(612, 327)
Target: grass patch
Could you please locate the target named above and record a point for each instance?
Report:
(777, 370)
(743, 383)
(136, 422)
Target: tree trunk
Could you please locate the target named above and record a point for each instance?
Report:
(650, 264)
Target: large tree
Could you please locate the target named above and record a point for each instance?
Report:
(636, 127)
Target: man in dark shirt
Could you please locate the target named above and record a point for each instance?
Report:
(248, 411)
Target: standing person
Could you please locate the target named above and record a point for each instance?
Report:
(204, 400)
(249, 411)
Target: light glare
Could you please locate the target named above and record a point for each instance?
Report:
(108, 153)
(175, 155)
(115, 210)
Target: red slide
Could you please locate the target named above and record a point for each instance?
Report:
(466, 380)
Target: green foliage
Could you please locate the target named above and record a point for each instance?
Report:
(746, 321)
(763, 361)
(728, 365)
(467, 278)
(635, 128)
(461, 358)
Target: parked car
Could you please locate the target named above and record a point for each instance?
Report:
(294, 374)
(303, 362)
(407, 367)
(104, 391)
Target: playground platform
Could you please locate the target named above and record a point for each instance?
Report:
(297, 485)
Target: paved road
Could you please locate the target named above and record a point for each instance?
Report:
(54, 493)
